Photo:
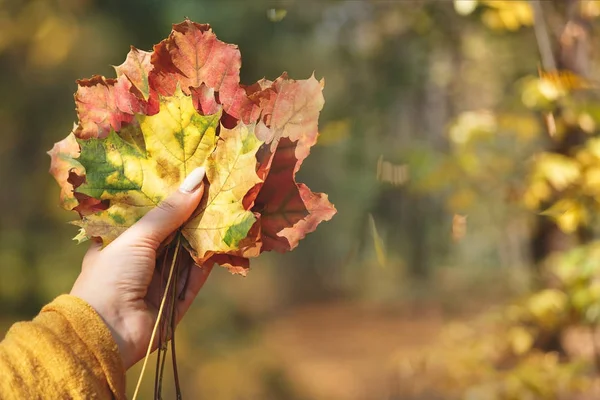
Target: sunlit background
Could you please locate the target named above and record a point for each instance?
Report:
(460, 144)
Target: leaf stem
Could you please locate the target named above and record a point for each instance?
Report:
(185, 283)
(173, 324)
(161, 371)
(159, 351)
(158, 357)
(158, 318)
(167, 328)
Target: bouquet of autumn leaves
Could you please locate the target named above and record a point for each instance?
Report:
(180, 107)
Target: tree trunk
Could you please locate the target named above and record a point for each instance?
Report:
(572, 54)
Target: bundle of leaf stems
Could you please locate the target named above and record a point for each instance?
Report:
(166, 318)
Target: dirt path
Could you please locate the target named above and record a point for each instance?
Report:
(346, 351)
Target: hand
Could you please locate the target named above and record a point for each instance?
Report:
(120, 281)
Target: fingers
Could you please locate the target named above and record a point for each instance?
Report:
(197, 278)
(171, 213)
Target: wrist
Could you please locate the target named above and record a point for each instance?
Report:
(113, 322)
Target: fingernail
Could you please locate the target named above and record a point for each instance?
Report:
(193, 180)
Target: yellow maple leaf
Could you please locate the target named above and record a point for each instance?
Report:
(138, 167)
(222, 222)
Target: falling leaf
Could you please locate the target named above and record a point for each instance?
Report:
(276, 14)
(459, 227)
(378, 244)
(395, 174)
(179, 107)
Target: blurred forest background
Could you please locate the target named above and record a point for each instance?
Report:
(460, 143)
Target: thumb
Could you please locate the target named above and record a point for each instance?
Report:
(171, 213)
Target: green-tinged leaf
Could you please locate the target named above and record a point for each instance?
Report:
(176, 141)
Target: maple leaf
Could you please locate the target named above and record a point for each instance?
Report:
(288, 210)
(179, 107)
(134, 179)
(204, 100)
(104, 105)
(287, 109)
(292, 111)
(136, 68)
(64, 163)
(222, 222)
(193, 55)
(235, 264)
(69, 174)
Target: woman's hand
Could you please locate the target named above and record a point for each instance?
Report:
(120, 282)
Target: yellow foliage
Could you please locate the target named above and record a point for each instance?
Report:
(525, 126)
(592, 147)
(591, 181)
(521, 339)
(560, 171)
(472, 124)
(586, 123)
(499, 14)
(576, 181)
(507, 14)
(541, 94)
(568, 214)
(565, 80)
(502, 356)
(537, 192)
(548, 307)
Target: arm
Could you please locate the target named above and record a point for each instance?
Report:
(65, 352)
(81, 344)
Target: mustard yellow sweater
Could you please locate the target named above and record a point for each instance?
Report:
(66, 352)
